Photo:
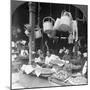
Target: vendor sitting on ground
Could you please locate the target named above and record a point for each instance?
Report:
(49, 57)
(40, 60)
(66, 55)
(76, 58)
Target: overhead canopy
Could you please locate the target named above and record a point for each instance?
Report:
(16, 4)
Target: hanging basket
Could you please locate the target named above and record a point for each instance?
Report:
(48, 24)
(38, 33)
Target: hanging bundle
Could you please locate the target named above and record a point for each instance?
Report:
(63, 23)
(70, 38)
(37, 30)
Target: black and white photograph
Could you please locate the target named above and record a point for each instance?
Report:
(49, 44)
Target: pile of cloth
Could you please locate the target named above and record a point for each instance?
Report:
(36, 70)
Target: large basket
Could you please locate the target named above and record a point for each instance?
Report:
(48, 24)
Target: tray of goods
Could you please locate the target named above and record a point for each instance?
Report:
(78, 80)
(57, 62)
(70, 66)
(46, 71)
(61, 75)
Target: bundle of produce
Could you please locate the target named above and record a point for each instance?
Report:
(61, 75)
(70, 66)
(57, 62)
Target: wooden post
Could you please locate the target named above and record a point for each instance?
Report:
(32, 24)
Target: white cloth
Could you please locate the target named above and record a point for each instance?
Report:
(37, 59)
(23, 42)
(23, 67)
(14, 57)
(75, 30)
(27, 68)
(38, 70)
(84, 70)
(13, 44)
(70, 38)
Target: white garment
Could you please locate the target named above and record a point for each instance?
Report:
(24, 52)
(52, 57)
(14, 57)
(28, 69)
(23, 67)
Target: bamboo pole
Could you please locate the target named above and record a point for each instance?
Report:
(31, 30)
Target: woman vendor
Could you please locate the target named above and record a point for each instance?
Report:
(49, 57)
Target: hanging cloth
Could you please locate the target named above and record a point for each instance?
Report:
(70, 38)
(75, 30)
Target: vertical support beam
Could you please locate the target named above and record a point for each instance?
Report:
(32, 23)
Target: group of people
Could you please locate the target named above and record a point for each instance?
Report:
(74, 56)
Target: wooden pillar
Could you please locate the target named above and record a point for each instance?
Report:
(32, 24)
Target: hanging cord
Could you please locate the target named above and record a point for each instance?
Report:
(38, 14)
(50, 10)
(39, 23)
(69, 8)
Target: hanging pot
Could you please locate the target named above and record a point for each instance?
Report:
(48, 24)
(64, 23)
(38, 33)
